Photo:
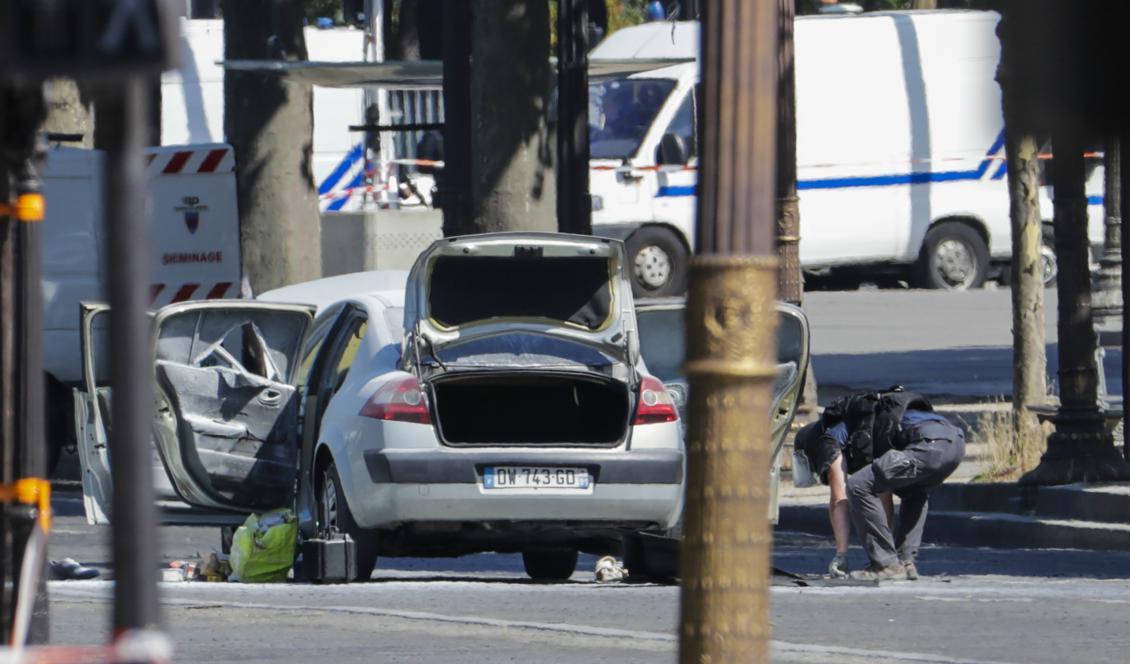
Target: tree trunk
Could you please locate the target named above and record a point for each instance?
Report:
(512, 180)
(269, 122)
(1029, 363)
(1022, 145)
(1108, 282)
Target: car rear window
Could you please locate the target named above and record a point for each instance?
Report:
(464, 289)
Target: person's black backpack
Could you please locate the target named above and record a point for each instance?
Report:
(873, 421)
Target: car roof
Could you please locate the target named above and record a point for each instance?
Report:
(388, 285)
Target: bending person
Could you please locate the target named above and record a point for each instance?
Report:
(819, 456)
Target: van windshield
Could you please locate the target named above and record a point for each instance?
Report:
(620, 112)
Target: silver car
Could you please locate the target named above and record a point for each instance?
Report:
(497, 402)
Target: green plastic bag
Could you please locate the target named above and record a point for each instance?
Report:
(262, 549)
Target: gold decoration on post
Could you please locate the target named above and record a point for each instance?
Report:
(731, 351)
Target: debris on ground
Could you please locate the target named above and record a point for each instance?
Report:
(610, 570)
(216, 567)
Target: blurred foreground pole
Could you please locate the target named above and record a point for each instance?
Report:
(25, 506)
(455, 178)
(724, 611)
(134, 517)
(574, 207)
(1022, 147)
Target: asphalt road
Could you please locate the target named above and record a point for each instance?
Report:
(954, 346)
(977, 606)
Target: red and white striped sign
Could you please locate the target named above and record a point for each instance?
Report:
(215, 158)
(185, 292)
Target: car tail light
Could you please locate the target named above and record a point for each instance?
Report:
(655, 404)
(401, 400)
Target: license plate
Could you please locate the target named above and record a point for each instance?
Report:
(501, 478)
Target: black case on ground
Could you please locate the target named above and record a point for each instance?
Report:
(330, 560)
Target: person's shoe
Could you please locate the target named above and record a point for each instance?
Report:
(69, 568)
(893, 572)
(911, 570)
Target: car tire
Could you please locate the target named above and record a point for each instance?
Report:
(953, 257)
(550, 564)
(657, 262)
(334, 515)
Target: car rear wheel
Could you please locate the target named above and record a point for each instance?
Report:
(551, 564)
(658, 261)
(954, 257)
(334, 515)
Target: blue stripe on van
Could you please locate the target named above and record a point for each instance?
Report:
(885, 180)
(340, 170)
(1095, 200)
(679, 190)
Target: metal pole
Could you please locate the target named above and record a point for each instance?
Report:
(574, 208)
(1081, 449)
(455, 188)
(131, 360)
(31, 457)
(724, 610)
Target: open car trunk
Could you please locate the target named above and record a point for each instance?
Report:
(531, 408)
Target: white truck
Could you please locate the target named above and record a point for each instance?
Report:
(195, 250)
(900, 149)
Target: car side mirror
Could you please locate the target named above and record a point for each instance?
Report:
(672, 150)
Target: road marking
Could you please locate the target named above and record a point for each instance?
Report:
(61, 591)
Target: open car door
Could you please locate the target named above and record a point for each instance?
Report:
(226, 422)
(662, 344)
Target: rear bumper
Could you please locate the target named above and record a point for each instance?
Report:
(629, 488)
(465, 466)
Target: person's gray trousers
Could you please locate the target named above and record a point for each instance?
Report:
(935, 451)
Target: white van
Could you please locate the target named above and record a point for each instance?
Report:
(195, 252)
(900, 149)
(192, 105)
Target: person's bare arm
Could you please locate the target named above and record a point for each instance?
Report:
(838, 506)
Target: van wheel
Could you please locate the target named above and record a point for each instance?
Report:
(1048, 261)
(954, 257)
(658, 261)
(550, 564)
(334, 515)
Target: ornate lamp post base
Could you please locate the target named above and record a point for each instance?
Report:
(1081, 450)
